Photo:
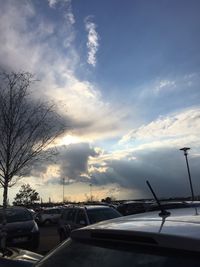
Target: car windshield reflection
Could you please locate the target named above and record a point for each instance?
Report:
(16, 216)
(102, 214)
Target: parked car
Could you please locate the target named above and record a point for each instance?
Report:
(22, 230)
(48, 216)
(132, 207)
(79, 216)
(135, 207)
(34, 213)
(161, 239)
(18, 257)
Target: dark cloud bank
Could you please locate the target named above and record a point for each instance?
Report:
(165, 169)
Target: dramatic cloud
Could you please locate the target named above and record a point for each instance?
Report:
(151, 152)
(70, 162)
(93, 41)
(165, 169)
(51, 55)
(74, 160)
(153, 155)
(45, 41)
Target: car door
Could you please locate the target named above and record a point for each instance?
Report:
(51, 215)
(56, 213)
(80, 220)
(70, 220)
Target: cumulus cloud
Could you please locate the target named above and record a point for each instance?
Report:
(93, 40)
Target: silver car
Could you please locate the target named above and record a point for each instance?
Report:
(156, 239)
(48, 216)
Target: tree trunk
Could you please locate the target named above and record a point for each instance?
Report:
(4, 221)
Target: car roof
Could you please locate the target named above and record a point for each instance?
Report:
(180, 230)
(14, 207)
(88, 207)
(52, 208)
(97, 207)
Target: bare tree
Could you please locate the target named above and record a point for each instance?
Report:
(27, 128)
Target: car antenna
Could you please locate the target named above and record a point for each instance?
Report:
(163, 213)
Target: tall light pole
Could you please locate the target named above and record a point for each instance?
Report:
(63, 190)
(185, 149)
(91, 192)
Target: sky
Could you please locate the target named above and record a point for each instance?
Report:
(126, 75)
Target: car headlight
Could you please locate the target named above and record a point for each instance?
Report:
(35, 228)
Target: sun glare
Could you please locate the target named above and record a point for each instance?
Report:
(68, 139)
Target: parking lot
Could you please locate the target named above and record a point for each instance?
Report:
(48, 239)
(73, 215)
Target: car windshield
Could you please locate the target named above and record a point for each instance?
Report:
(16, 215)
(76, 254)
(97, 215)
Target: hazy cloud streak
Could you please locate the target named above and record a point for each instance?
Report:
(52, 3)
(93, 41)
(174, 127)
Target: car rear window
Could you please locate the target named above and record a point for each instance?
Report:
(97, 215)
(76, 254)
(16, 215)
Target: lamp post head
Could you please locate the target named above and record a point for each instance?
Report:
(185, 149)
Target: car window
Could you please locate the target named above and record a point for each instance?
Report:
(81, 217)
(17, 215)
(46, 212)
(54, 211)
(64, 214)
(113, 256)
(68, 215)
(97, 215)
(71, 215)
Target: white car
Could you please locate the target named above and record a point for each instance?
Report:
(48, 216)
(155, 239)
